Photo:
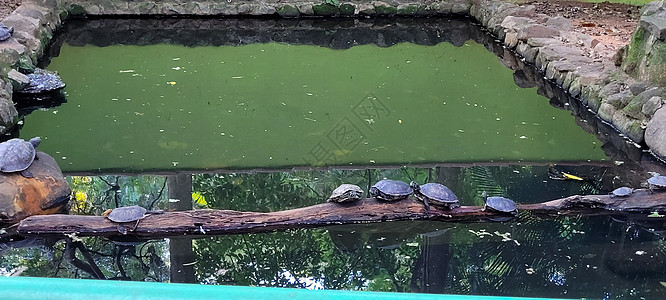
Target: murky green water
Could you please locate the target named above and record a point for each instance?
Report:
(161, 107)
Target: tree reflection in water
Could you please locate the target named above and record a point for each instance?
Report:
(559, 257)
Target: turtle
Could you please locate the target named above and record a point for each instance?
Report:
(657, 182)
(499, 204)
(622, 192)
(436, 194)
(126, 214)
(16, 155)
(5, 32)
(390, 190)
(346, 193)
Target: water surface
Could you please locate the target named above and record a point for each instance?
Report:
(276, 105)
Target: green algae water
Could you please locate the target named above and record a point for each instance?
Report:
(274, 105)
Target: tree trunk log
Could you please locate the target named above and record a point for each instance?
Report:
(218, 222)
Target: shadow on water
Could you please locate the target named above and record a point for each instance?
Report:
(572, 257)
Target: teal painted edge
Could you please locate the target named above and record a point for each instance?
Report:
(60, 288)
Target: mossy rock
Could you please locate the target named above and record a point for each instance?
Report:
(347, 9)
(325, 9)
(386, 10)
(409, 10)
(25, 64)
(76, 10)
(634, 108)
(288, 11)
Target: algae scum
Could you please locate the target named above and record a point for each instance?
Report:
(278, 105)
(186, 97)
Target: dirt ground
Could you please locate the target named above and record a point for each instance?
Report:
(610, 23)
(8, 6)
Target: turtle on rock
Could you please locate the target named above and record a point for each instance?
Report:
(5, 32)
(436, 194)
(346, 193)
(126, 214)
(499, 204)
(390, 190)
(16, 155)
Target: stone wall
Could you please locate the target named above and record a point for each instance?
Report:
(34, 23)
(645, 60)
(290, 8)
(581, 65)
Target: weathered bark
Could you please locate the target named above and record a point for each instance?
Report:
(214, 222)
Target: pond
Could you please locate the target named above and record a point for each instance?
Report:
(268, 115)
(245, 104)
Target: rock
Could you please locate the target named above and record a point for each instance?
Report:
(560, 23)
(46, 193)
(43, 81)
(606, 112)
(537, 31)
(288, 11)
(635, 106)
(18, 79)
(631, 127)
(655, 133)
(638, 87)
(620, 99)
(8, 113)
(655, 24)
(651, 106)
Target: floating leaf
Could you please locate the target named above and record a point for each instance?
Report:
(655, 214)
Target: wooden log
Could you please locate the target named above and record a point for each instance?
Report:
(217, 222)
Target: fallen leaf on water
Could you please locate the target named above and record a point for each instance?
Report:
(655, 214)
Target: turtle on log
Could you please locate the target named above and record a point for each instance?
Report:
(16, 155)
(390, 190)
(346, 193)
(499, 204)
(126, 214)
(436, 194)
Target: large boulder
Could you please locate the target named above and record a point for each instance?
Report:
(655, 133)
(46, 193)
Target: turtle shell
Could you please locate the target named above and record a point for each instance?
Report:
(438, 194)
(17, 154)
(501, 204)
(390, 190)
(346, 193)
(622, 191)
(5, 32)
(658, 182)
(127, 214)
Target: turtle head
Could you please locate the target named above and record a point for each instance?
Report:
(35, 141)
(415, 186)
(484, 195)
